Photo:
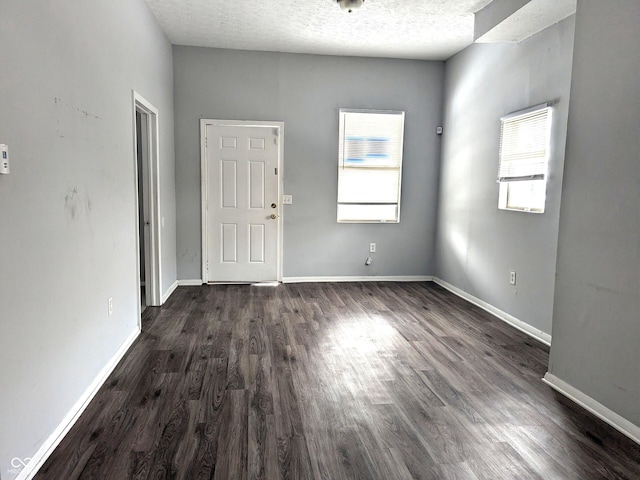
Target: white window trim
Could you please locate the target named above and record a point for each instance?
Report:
(341, 161)
(505, 182)
(503, 200)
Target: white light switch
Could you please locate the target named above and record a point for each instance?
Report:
(4, 159)
(287, 199)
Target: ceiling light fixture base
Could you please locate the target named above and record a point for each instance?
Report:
(350, 5)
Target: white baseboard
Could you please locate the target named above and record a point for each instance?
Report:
(392, 278)
(504, 316)
(621, 424)
(196, 282)
(169, 291)
(47, 448)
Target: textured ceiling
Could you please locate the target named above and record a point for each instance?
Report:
(420, 29)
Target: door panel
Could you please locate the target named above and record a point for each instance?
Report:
(256, 242)
(256, 143)
(229, 243)
(242, 185)
(228, 183)
(256, 185)
(228, 142)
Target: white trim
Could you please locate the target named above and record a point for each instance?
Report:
(391, 278)
(47, 448)
(169, 291)
(190, 283)
(342, 120)
(203, 197)
(154, 278)
(621, 424)
(504, 316)
(204, 122)
(526, 111)
(280, 248)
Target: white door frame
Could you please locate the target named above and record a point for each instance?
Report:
(154, 275)
(204, 183)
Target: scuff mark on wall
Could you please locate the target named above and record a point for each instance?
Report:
(71, 202)
(86, 114)
(601, 288)
(76, 204)
(68, 114)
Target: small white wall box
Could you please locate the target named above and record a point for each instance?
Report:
(4, 159)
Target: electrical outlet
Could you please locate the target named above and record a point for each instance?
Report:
(372, 248)
(287, 199)
(512, 277)
(110, 305)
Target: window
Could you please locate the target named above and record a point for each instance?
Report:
(524, 156)
(370, 166)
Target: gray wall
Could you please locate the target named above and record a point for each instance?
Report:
(306, 92)
(67, 210)
(596, 327)
(477, 244)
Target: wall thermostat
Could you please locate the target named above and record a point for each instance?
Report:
(4, 159)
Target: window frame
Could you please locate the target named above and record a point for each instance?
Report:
(343, 112)
(536, 174)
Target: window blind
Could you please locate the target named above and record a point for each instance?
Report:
(370, 165)
(524, 145)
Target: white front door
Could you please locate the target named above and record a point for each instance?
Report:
(242, 203)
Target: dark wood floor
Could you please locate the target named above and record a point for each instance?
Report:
(334, 381)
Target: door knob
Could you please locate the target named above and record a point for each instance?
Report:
(273, 205)
(273, 216)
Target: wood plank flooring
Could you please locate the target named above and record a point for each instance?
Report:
(334, 381)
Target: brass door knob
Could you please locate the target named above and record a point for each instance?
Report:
(273, 216)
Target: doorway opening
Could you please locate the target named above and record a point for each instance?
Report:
(145, 134)
(142, 164)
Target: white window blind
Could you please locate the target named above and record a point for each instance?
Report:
(524, 145)
(370, 165)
